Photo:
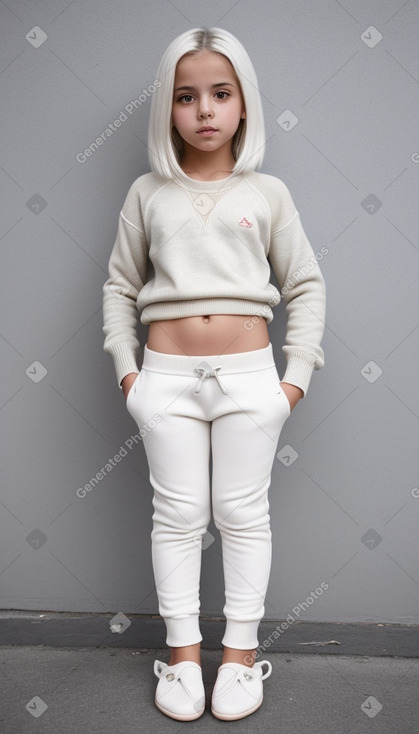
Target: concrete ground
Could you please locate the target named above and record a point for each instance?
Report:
(103, 690)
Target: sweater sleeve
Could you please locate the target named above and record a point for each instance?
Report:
(127, 275)
(304, 293)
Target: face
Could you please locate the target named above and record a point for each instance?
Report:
(213, 99)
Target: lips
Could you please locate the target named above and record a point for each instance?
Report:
(207, 129)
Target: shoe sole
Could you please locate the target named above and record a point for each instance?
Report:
(179, 717)
(235, 717)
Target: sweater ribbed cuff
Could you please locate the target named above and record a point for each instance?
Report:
(124, 359)
(298, 372)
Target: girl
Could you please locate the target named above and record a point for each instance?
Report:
(195, 241)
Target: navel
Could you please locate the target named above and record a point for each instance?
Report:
(205, 319)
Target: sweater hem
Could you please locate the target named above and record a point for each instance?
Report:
(202, 306)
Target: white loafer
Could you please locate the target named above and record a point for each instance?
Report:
(180, 691)
(238, 690)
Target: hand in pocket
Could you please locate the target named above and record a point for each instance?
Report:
(128, 382)
(292, 393)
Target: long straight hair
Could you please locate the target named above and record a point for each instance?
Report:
(165, 146)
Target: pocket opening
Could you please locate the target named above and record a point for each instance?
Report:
(131, 390)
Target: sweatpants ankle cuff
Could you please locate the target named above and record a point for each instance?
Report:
(184, 631)
(241, 635)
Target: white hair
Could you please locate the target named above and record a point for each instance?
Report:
(165, 146)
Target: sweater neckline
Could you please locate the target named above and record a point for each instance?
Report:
(195, 184)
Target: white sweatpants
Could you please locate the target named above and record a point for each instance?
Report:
(188, 405)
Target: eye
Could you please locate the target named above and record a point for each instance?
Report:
(187, 97)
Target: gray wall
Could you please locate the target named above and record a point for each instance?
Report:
(345, 506)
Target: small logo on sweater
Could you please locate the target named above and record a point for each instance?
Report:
(245, 223)
(203, 203)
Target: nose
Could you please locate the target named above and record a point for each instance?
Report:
(205, 109)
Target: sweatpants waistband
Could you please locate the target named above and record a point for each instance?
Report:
(180, 364)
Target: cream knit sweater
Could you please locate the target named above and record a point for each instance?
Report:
(187, 248)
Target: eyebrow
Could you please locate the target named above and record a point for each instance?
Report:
(219, 84)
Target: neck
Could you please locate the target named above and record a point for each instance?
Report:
(207, 165)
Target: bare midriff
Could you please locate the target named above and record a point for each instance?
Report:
(208, 334)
